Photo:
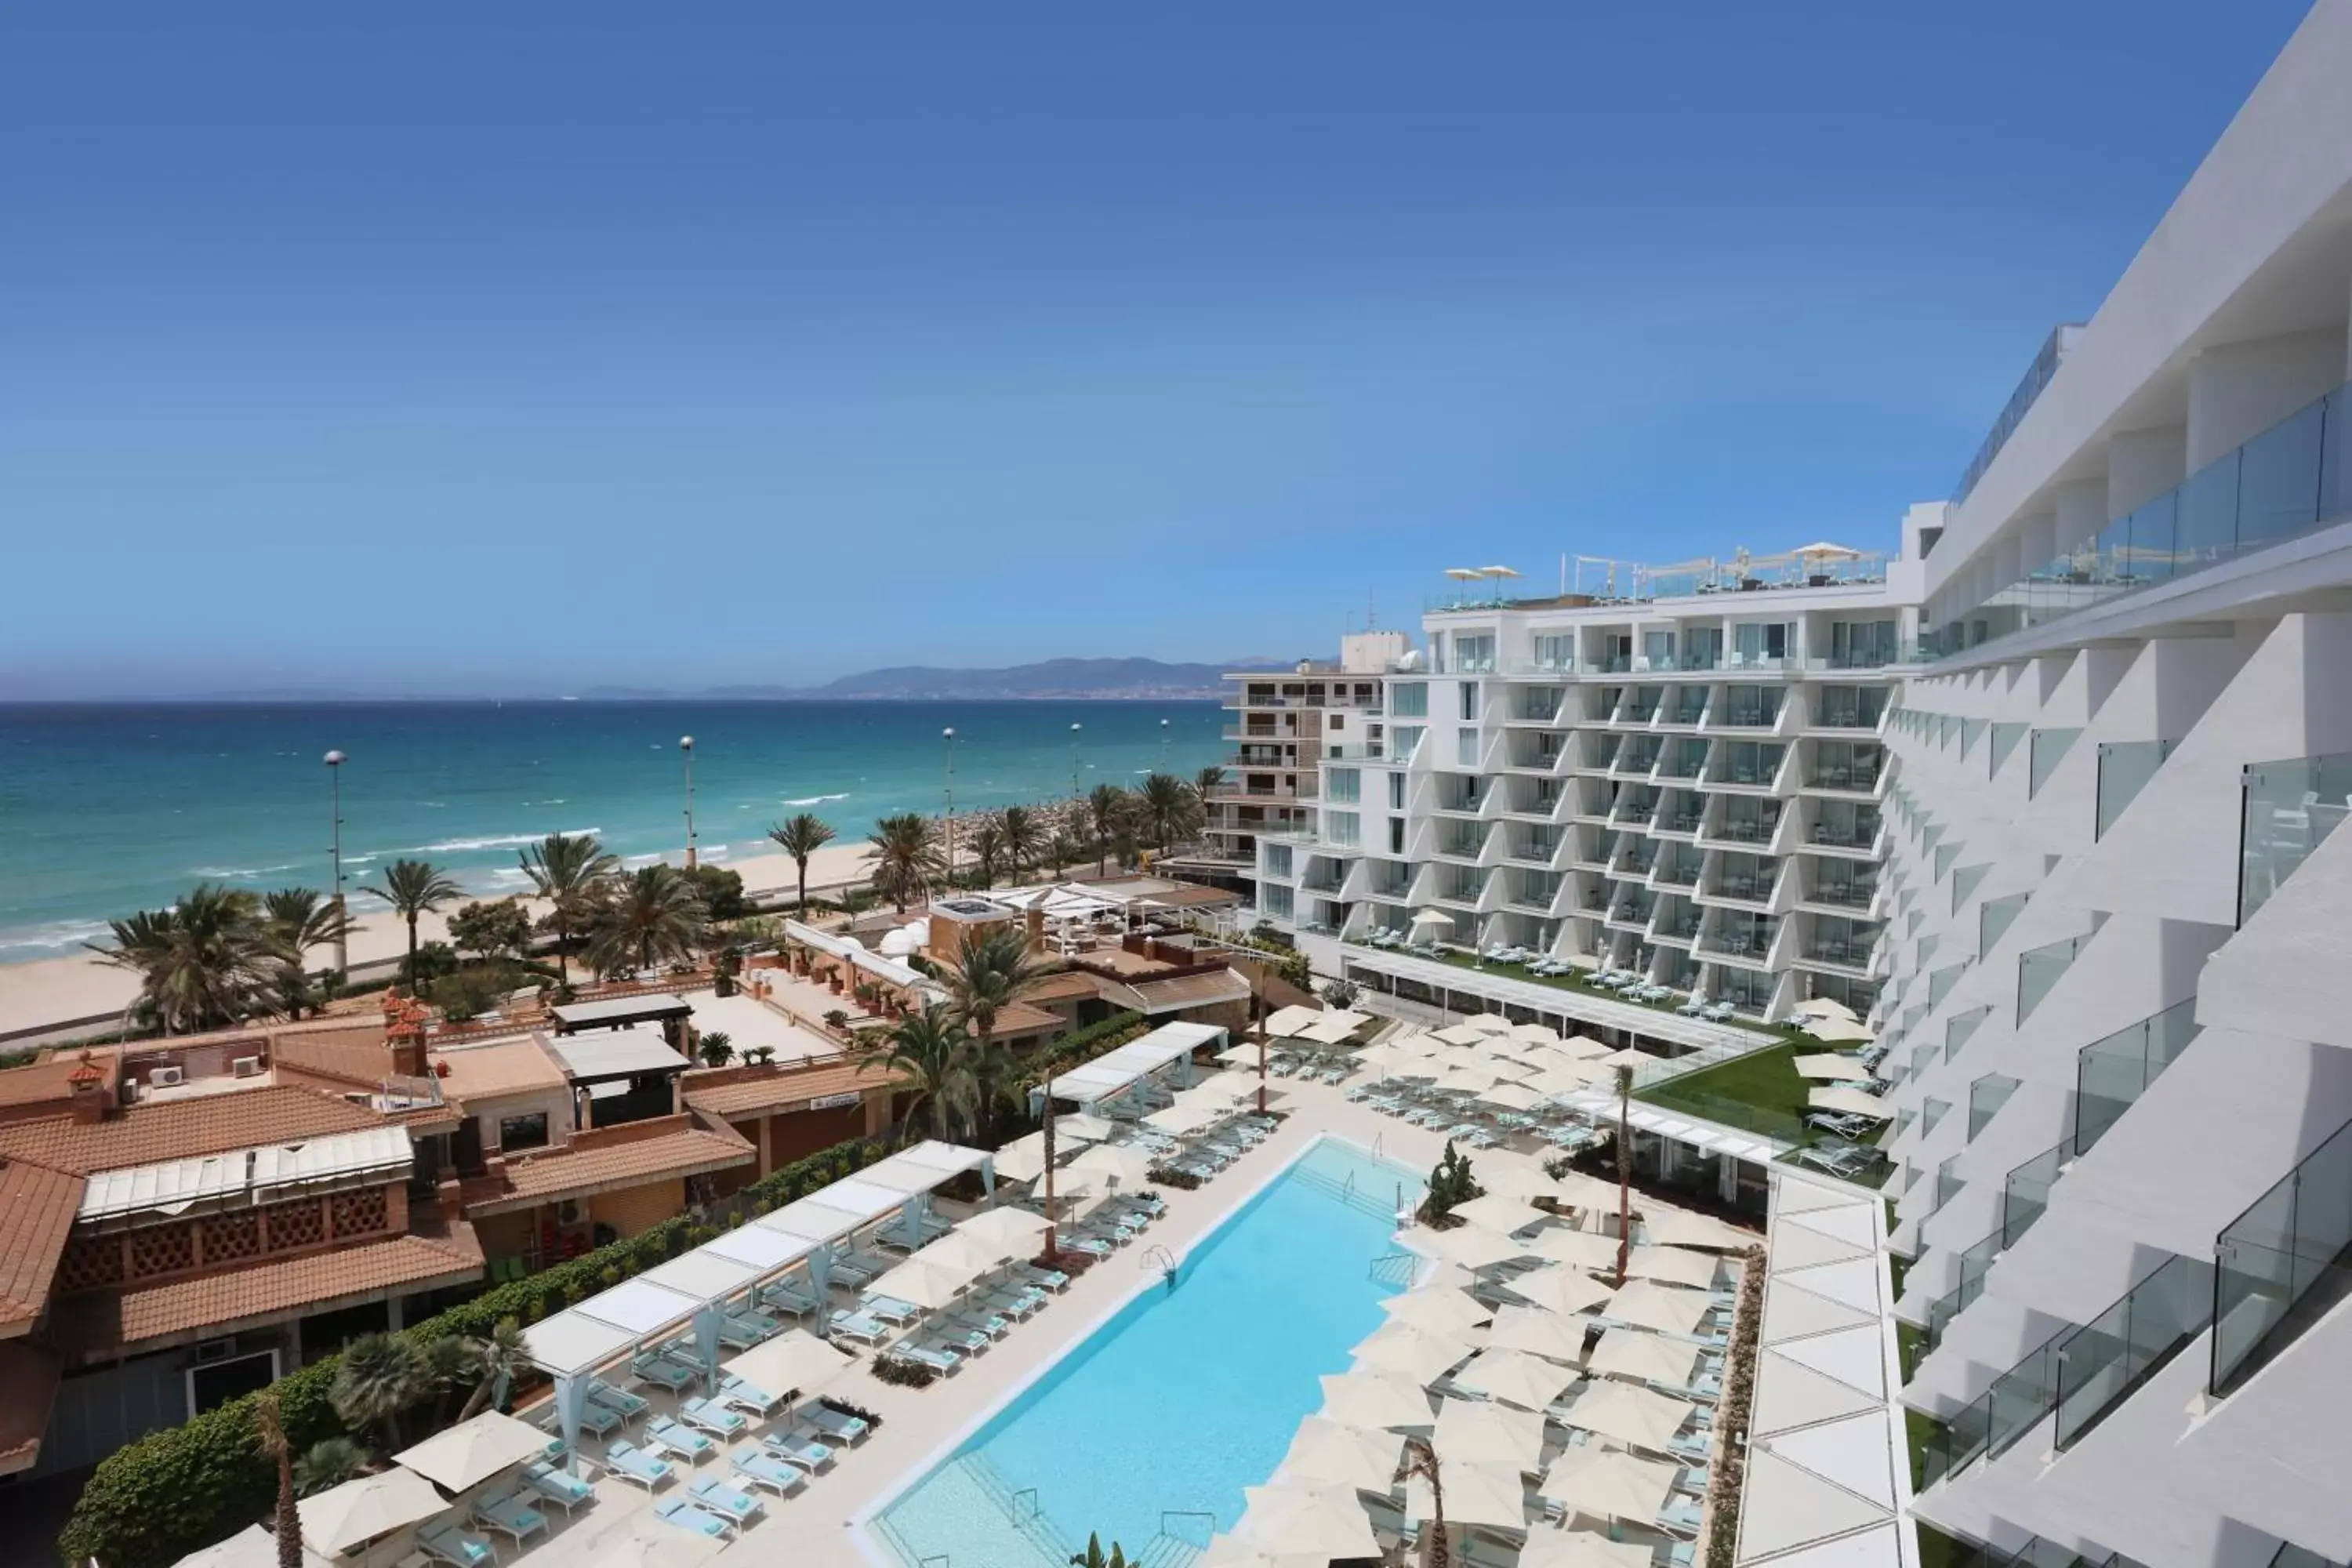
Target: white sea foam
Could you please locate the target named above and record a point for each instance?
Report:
(499, 841)
(238, 873)
(814, 799)
(54, 937)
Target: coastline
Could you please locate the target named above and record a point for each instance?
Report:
(46, 991)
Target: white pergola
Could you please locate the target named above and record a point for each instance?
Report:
(693, 1289)
(1115, 1072)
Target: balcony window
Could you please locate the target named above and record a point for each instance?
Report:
(1277, 859)
(1846, 764)
(1701, 648)
(1841, 826)
(1690, 706)
(1555, 651)
(1408, 741)
(1658, 647)
(1751, 706)
(1344, 785)
(2286, 809)
(1748, 821)
(1409, 699)
(1474, 654)
(1753, 762)
(1763, 643)
(1865, 644)
(1642, 704)
(1343, 829)
(1277, 899)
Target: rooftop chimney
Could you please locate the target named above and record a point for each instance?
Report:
(87, 1085)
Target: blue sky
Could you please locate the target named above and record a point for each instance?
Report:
(413, 354)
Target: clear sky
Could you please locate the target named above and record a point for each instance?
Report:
(675, 345)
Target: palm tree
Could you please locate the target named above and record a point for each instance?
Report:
(571, 871)
(907, 858)
(990, 974)
(1168, 803)
(1207, 780)
(329, 1462)
(414, 887)
(289, 1522)
(801, 837)
(987, 845)
(1103, 806)
(300, 919)
(377, 1378)
(1023, 835)
(932, 1051)
(201, 963)
(657, 914)
(1421, 1459)
(1624, 1173)
(499, 1359)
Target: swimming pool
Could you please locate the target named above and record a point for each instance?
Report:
(1148, 1431)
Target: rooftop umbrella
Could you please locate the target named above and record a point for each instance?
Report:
(1680, 1228)
(1515, 1377)
(1491, 1494)
(1441, 1311)
(1581, 1549)
(1500, 1215)
(1341, 1455)
(1631, 1415)
(1474, 1248)
(1645, 1358)
(1299, 1517)
(1490, 1023)
(1851, 1102)
(1822, 550)
(1608, 1483)
(1479, 1432)
(1510, 1097)
(358, 1511)
(1672, 1266)
(1416, 1355)
(1021, 1159)
(1080, 1127)
(474, 1450)
(1558, 1288)
(1836, 1030)
(1284, 1022)
(1646, 1304)
(1578, 1248)
(1017, 1230)
(794, 1359)
(1825, 1008)
(1368, 1398)
(1538, 1332)
(1425, 920)
(1124, 1163)
(1505, 1174)
(919, 1282)
(1831, 1068)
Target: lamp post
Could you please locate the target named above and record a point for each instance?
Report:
(1163, 745)
(334, 761)
(947, 801)
(1073, 762)
(686, 749)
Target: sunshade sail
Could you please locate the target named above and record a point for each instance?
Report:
(1578, 1248)
(1849, 1102)
(1824, 1007)
(1680, 1228)
(1474, 1248)
(1838, 1030)
(1498, 1213)
(1445, 1310)
(1307, 1519)
(1558, 1288)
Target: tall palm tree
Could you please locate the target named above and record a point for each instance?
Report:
(1024, 834)
(499, 1360)
(1168, 803)
(934, 1053)
(329, 1462)
(656, 913)
(990, 974)
(1206, 780)
(201, 963)
(571, 871)
(414, 887)
(289, 1520)
(987, 846)
(800, 837)
(1103, 805)
(300, 919)
(907, 863)
(377, 1378)
(1421, 1459)
(1624, 1173)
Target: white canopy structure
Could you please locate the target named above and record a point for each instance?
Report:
(1516, 1377)
(1332, 1451)
(1645, 1358)
(858, 957)
(694, 1288)
(1829, 1067)
(367, 1509)
(1475, 1493)
(1851, 1102)
(1478, 1432)
(1368, 1398)
(1632, 1415)
(1115, 1072)
(1609, 1483)
(474, 1450)
(1646, 1304)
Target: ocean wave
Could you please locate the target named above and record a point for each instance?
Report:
(508, 877)
(239, 873)
(497, 841)
(814, 799)
(52, 938)
(714, 852)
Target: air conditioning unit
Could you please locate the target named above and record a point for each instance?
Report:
(163, 1077)
(213, 1349)
(570, 1212)
(246, 1066)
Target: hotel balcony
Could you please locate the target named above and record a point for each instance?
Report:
(1634, 761)
(1845, 830)
(1750, 767)
(1845, 709)
(1638, 706)
(1685, 709)
(1680, 815)
(1306, 788)
(1680, 760)
(1750, 711)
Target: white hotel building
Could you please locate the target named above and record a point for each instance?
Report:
(2076, 847)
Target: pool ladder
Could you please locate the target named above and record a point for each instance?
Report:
(1159, 1258)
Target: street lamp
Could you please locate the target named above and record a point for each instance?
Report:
(947, 809)
(1074, 761)
(685, 748)
(1163, 745)
(334, 761)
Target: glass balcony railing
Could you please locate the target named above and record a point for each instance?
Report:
(2282, 1259)
(1958, 1029)
(2111, 1074)
(2103, 1361)
(1994, 918)
(2285, 481)
(2048, 747)
(2039, 969)
(1975, 1261)
(2125, 768)
(2287, 808)
(2025, 1194)
(2005, 738)
(1986, 1095)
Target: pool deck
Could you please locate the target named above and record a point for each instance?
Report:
(821, 1525)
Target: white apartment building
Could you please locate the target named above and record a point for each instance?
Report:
(2120, 922)
(1683, 774)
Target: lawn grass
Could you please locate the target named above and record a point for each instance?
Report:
(1762, 1093)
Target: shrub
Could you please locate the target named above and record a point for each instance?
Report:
(837, 1019)
(844, 1407)
(178, 1489)
(1340, 993)
(716, 1047)
(1449, 1185)
(1170, 1176)
(905, 1373)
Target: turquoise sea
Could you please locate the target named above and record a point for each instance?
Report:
(107, 808)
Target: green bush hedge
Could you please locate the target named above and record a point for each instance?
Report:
(180, 1487)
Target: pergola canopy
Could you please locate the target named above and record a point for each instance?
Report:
(1115, 1071)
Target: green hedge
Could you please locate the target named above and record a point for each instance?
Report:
(181, 1488)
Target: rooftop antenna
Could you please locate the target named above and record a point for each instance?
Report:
(1371, 612)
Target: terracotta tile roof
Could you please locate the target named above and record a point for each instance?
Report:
(674, 1149)
(1017, 1018)
(356, 1056)
(510, 1067)
(29, 1388)
(1063, 986)
(36, 1214)
(44, 1082)
(753, 1091)
(315, 1282)
(178, 1129)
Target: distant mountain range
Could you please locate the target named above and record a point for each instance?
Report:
(1099, 679)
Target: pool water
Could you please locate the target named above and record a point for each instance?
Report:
(1148, 1431)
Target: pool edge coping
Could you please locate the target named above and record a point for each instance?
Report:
(862, 1532)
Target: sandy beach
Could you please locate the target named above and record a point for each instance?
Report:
(55, 990)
